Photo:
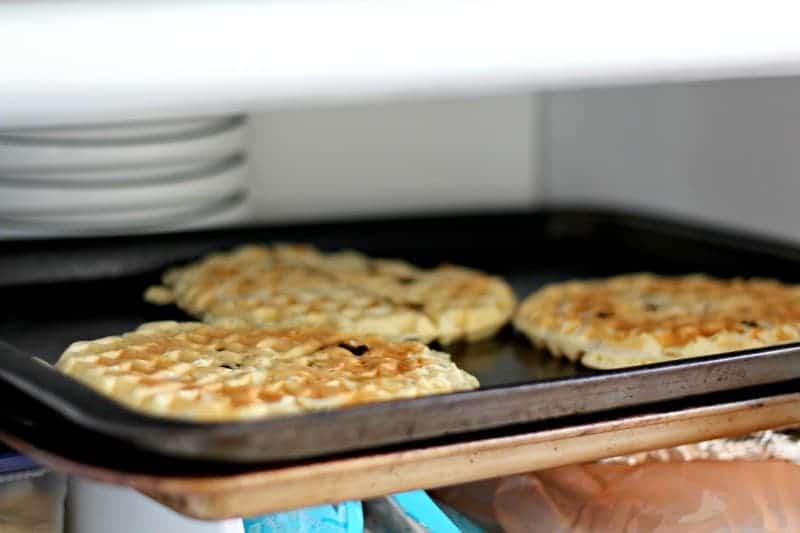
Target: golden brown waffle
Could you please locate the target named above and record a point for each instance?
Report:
(209, 373)
(642, 318)
(295, 285)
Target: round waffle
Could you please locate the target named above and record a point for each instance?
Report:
(209, 373)
(295, 285)
(643, 318)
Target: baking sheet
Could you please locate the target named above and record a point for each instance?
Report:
(215, 492)
(61, 291)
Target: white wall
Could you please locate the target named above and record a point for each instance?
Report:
(724, 151)
(395, 158)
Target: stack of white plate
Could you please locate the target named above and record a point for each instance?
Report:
(127, 178)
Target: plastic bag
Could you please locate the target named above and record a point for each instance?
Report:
(31, 498)
(749, 484)
(696, 496)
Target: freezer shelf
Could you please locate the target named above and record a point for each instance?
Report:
(90, 61)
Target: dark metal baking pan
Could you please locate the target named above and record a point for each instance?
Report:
(55, 292)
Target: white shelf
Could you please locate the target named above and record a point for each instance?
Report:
(78, 61)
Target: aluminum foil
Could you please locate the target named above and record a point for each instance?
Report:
(783, 445)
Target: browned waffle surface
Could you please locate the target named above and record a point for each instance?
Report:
(206, 372)
(644, 318)
(296, 285)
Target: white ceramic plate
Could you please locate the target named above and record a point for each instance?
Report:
(218, 213)
(22, 156)
(114, 176)
(121, 218)
(235, 214)
(56, 200)
(115, 133)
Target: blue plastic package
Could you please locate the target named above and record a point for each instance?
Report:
(393, 511)
(346, 517)
(12, 462)
(418, 506)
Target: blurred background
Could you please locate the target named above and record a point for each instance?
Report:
(722, 151)
(201, 114)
